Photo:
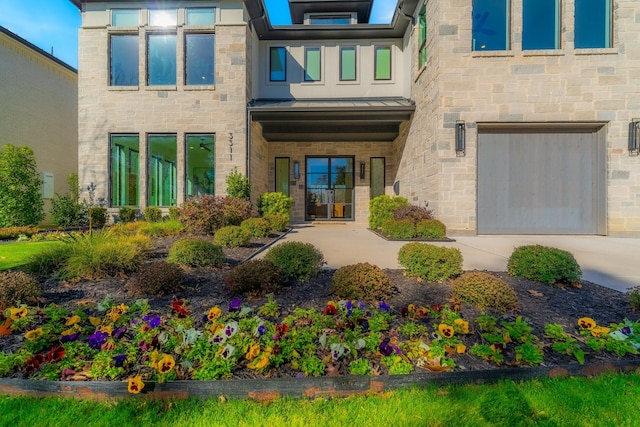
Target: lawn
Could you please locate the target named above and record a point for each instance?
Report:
(16, 254)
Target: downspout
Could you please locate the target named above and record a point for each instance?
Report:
(409, 17)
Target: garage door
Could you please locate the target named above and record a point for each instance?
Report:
(541, 181)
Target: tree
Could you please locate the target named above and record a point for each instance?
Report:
(20, 198)
(67, 210)
(238, 185)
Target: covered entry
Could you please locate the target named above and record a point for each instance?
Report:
(542, 179)
(330, 187)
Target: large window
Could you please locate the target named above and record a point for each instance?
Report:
(382, 64)
(162, 172)
(422, 37)
(125, 17)
(124, 60)
(282, 175)
(161, 59)
(201, 16)
(124, 176)
(491, 25)
(277, 64)
(312, 64)
(200, 164)
(348, 63)
(199, 59)
(592, 24)
(376, 184)
(540, 24)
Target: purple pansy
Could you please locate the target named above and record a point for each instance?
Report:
(626, 330)
(118, 359)
(384, 306)
(117, 333)
(261, 330)
(235, 305)
(96, 340)
(154, 321)
(385, 348)
(69, 338)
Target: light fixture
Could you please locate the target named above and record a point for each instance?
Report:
(634, 137)
(460, 138)
(296, 170)
(361, 170)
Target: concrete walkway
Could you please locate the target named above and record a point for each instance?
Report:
(607, 261)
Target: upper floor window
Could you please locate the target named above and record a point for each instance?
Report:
(199, 59)
(382, 63)
(540, 24)
(592, 24)
(348, 63)
(422, 37)
(491, 25)
(161, 59)
(163, 17)
(123, 61)
(312, 64)
(330, 19)
(277, 64)
(201, 16)
(125, 17)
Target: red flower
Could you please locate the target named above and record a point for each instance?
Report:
(404, 311)
(282, 329)
(33, 363)
(437, 308)
(330, 310)
(178, 307)
(55, 354)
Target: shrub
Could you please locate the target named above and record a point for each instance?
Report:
(50, 261)
(544, 264)
(127, 214)
(232, 236)
(431, 229)
(260, 276)
(160, 229)
(20, 198)
(18, 287)
(278, 222)
(174, 213)
(361, 281)
(238, 185)
(257, 227)
(430, 262)
(98, 216)
(10, 233)
(633, 294)
(403, 229)
(381, 208)
(235, 210)
(196, 253)
(275, 203)
(201, 214)
(152, 214)
(415, 214)
(127, 228)
(156, 278)
(296, 260)
(68, 210)
(485, 291)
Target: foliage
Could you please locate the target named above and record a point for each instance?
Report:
(98, 216)
(277, 222)
(236, 210)
(156, 278)
(232, 236)
(174, 213)
(10, 233)
(258, 227)
(431, 229)
(633, 294)
(430, 262)
(361, 281)
(296, 260)
(160, 229)
(484, 290)
(18, 287)
(20, 198)
(127, 214)
(381, 208)
(152, 214)
(50, 261)
(544, 264)
(413, 213)
(238, 185)
(196, 253)
(205, 214)
(260, 276)
(275, 203)
(398, 229)
(68, 210)
(564, 343)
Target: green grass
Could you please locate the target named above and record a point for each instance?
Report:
(604, 401)
(17, 254)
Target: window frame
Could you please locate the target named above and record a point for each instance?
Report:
(355, 63)
(422, 37)
(375, 63)
(149, 35)
(110, 59)
(186, 16)
(608, 30)
(185, 62)
(305, 73)
(284, 63)
(186, 161)
(309, 17)
(129, 161)
(148, 169)
(172, 25)
(507, 30)
(129, 9)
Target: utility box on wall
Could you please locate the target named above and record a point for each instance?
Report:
(47, 185)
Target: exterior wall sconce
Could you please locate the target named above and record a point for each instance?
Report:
(634, 137)
(361, 170)
(461, 138)
(296, 170)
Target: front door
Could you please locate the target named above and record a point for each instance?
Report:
(329, 188)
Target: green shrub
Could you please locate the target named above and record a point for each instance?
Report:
(152, 214)
(296, 260)
(127, 228)
(10, 233)
(278, 222)
(50, 261)
(98, 216)
(127, 214)
(484, 290)
(361, 281)
(415, 214)
(633, 294)
(174, 213)
(544, 264)
(381, 208)
(276, 203)
(18, 287)
(196, 253)
(156, 278)
(260, 277)
(161, 229)
(238, 186)
(67, 210)
(257, 227)
(431, 229)
(20, 197)
(232, 236)
(430, 262)
(403, 229)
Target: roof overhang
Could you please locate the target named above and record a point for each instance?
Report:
(299, 8)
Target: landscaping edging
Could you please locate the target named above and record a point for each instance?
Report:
(308, 387)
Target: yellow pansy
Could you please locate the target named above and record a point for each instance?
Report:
(464, 325)
(253, 352)
(214, 313)
(17, 313)
(445, 330)
(586, 323)
(135, 384)
(34, 334)
(461, 348)
(166, 363)
(108, 329)
(73, 320)
(95, 321)
(600, 330)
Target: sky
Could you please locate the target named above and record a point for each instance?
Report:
(52, 25)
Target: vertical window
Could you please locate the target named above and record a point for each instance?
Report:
(201, 16)
(199, 59)
(124, 175)
(161, 59)
(201, 164)
(347, 63)
(422, 37)
(282, 175)
(123, 62)
(312, 64)
(277, 64)
(382, 65)
(163, 17)
(162, 176)
(125, 17)
(376, 183)
(540, 24)
(490, 25)
(593, 24)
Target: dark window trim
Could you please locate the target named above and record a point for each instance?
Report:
(375, 56)
(284, 49)
(146, 58)
(110, 167)
(319, 49)
(184, 55)
(110, 56)
(186, 160)
(148, 165)
(355, 64)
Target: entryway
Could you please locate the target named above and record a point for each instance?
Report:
(329, 188)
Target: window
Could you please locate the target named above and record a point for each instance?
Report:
(277, 64)
(329, 19)
(422, 37)
(124, 176)
(376, 184)
(200, 164)
(348, 63)
(163, 17)
(593, 24)
(540, 24)
(282, 175)
(201, 16)
(382, 65)
(199, 59)
(123, 62)
(161, 59)
(490, 25)
(125, 17)
(312, 64)
(162, 177)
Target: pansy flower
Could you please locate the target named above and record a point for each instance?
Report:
(154, 321)
(55, 354)
(33, 363)
(235, 305)
(97, 339)
(230, 329)
(73, 320)
(461, 348)
(95, 321)
(383, 306)
(385, 348)
(108, 329)
(259, 330)
(108, 345)
(445, 330)
(117, 333)
(330, 309)
(282, 329)
(437, 307)
(626, 330)
(166, 363)
(227, 351)
(599, 331)
(117, 311)
(34, 334)
(69, 337)
(253, 352)
(586, 323)
(179, 308)
(214, 313)
(463, 324)
(135, 384)
(118, 360)
(17, 313)
(422, 312)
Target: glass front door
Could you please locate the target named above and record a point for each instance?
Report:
(329, 188)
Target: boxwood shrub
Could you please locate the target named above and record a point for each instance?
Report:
(431, 229)
(544, 264)
(362, 281)
(381, 208)
(398, 229)
(257, 227)
(196, 253)
(296, 260)
(430, 262)
(259, 276)
(278, 222)
(484, 290)
(156, 278)
(232, 236)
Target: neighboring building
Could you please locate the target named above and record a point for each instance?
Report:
(39, 109)
(501, 116)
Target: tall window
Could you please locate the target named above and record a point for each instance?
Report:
(199, 59)
(376, 184)
(382, 64)
(125, 173)
(277, 64)
(593, 24)
(162, 172)
(422, 37)
(201, 16)
(123, 62)
(282, 175)
(491, 25)
(312, 64)
(200, 164)
(540, 24)
(125, 17)
(161, 59)
(347, 63)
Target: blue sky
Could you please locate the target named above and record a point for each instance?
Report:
(53, 24)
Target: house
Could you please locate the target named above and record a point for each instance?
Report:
(503, 116)
(39, 109)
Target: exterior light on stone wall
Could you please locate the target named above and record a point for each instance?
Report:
(461, 139)
(361, 170)
(634, 137)
(230, 145)
(296, 170)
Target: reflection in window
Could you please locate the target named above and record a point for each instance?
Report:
(201, 16)
(125, 17)
(541, 24)
(199, 59)
(124, 176)
(162, 172)
(161, 59)
(282, 175)
(490, 25)
(163, 17)
(124, 60)
(377, 177)
(201, 164)
(382, 66)
(347, 63)
(330, 20)
(277, 64)
(312, 64)
(422, 41)
(593, 24)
